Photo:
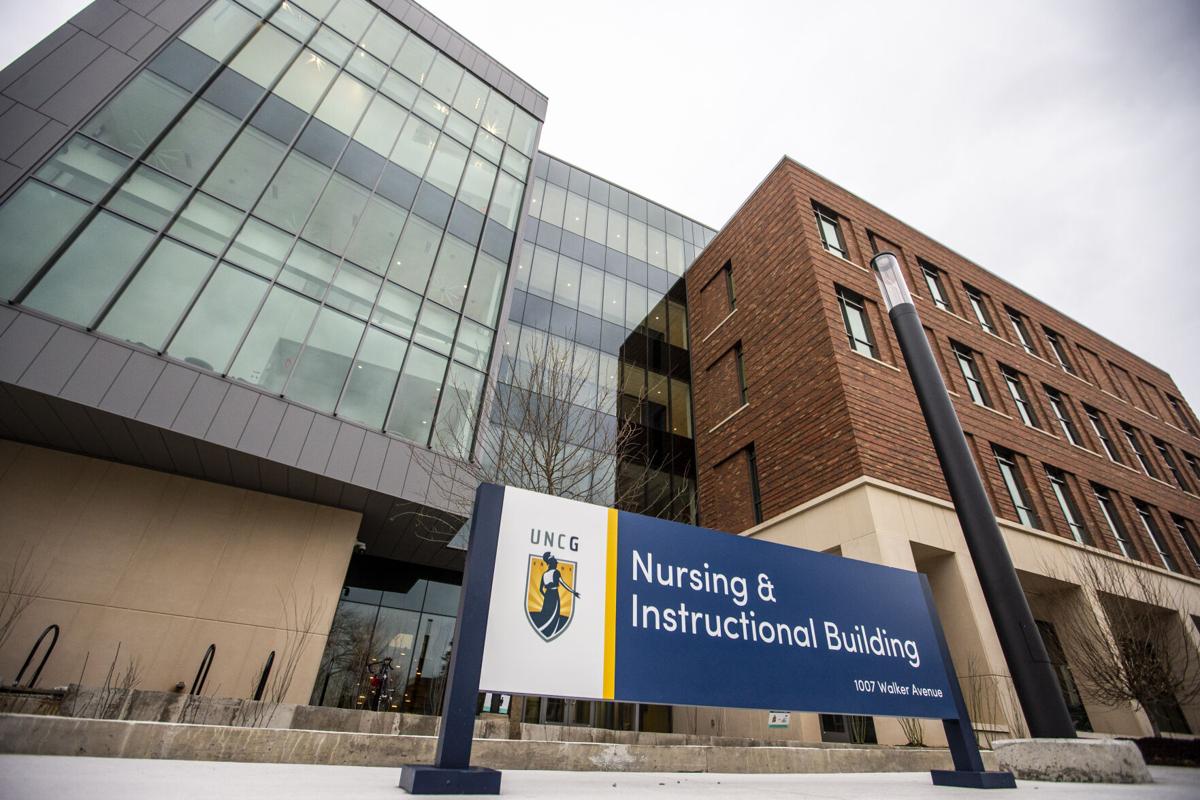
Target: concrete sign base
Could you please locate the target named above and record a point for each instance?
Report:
(1073, 760)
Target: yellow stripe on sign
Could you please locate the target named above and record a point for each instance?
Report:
(610, 610)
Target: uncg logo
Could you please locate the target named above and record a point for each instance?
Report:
(550, 593)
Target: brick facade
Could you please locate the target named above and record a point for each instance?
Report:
(821, 414)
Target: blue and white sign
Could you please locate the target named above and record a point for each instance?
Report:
(594, 603)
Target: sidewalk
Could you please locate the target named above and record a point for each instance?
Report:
(39, 777)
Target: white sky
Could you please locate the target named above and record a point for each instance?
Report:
(1054, 142)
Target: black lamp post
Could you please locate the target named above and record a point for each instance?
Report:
(1037, 688)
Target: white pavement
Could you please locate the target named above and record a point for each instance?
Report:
(66, 777)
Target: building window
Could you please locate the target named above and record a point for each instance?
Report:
(1156, 537)
(1059, 348)
(1185, 532)
(1193, 464)
(755, 494)
(1066, 681)
(1169, 460)
(1101, 432)
(933, 280)
(1066, 503)
(831, 231)
(730, 295)
(1058, 404)
(1135, 444)
(1018, 325)
(970, 372)
(1108, 510)
(743, 388)
(854, 317)
(1017, 390)
(1181, 415)
(1007, 462)
(980, 308)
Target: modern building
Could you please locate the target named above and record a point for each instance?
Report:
(808, 432)
(277, 273)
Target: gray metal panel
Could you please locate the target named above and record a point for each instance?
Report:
(395, 467)
(455, 47)
(506, 83)
(8, 176)
(273, 477)
(37, 408)
(56, 362)
(17, 422)
(184, 454)
(83, 430)
(301, 485)
(34, 55)
(168, 395)
(370, 460)
(20, 344)
(172, 15)
(345, 452)
(201, 406)
(150, 443)
(216, 462)
(416, 480)
(353, 497)
(7, 315)
(17, 125)
(134, 382)
(73, 102)
(143, 7)
(289, 439)
(38, 145)
(319, 443)
(427, 27)
(35, 86)
(231, 417)
(327, 492)
(97, 372)
(148, 44)
(127, 31)
(97, 16)
(245, 470)
(260, 430)
(116, 436)
(441, 37)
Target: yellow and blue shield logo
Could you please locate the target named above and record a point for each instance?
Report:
(550, 596)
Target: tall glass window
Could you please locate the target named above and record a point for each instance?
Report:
(1146, 517)
(1133, 438)
(1101, 431)
(1066, 504)
(1165, 452)
(933, 281)
(831, 231)
(1016, 390)
(979, 306)
(1108, 510)
(1058, 405)
(1060, 350)
(1184, 527)
(854, 317)
(1006, 460)
(970, 372)
(1018, 325)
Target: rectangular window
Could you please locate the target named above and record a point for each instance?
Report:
(1007, 462)
(1017, 391)
(1193, 464)
(1108, 510)
(979, 306)
(1018, 325)
(756, 496)
(1169, 460)
(1058, 405)
(1156, 538)
(743, 388)
(1101, 431)
(854, 317)
(1181, 415)
(970, 372)
(1060, 349)
(1135, 444)
(831, 231)
(933, 280)
(1066, 503)
(1184, 527)
(730, 295)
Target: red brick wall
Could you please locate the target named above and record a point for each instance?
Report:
(820, 414)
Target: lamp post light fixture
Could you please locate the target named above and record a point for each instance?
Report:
(1033, 677)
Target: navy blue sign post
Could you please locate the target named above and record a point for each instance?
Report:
(566, 599)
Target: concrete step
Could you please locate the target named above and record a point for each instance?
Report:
(30, 734)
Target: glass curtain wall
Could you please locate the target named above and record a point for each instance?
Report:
(303, 196)
(599, 277)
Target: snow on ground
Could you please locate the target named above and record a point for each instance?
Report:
(79, 778)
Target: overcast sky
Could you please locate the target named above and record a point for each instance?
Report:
(1055, 143)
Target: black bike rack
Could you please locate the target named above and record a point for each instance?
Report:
(266, 673)
(28, 659)
(202, 673)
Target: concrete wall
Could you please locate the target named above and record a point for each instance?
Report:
(164, 565)
(882, 523)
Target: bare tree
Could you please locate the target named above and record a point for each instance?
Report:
(550, 426)
(19, 585)
(1135, 651)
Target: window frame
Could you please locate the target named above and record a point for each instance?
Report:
(848, 299)
(1101, 431)
(755, 488)
(1146, 515)
(730, 294)
(1059, 347)
(978, 305)
(1165, 452)
(1018, 492)
(740, 361)
(1183, 525)
(1061, 490)
(1112, 518)
(1017, 321)
(933, 282)
(1061, 411)
(1016, 390)
(824, 215)
(1131, 438)
(971, 374)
